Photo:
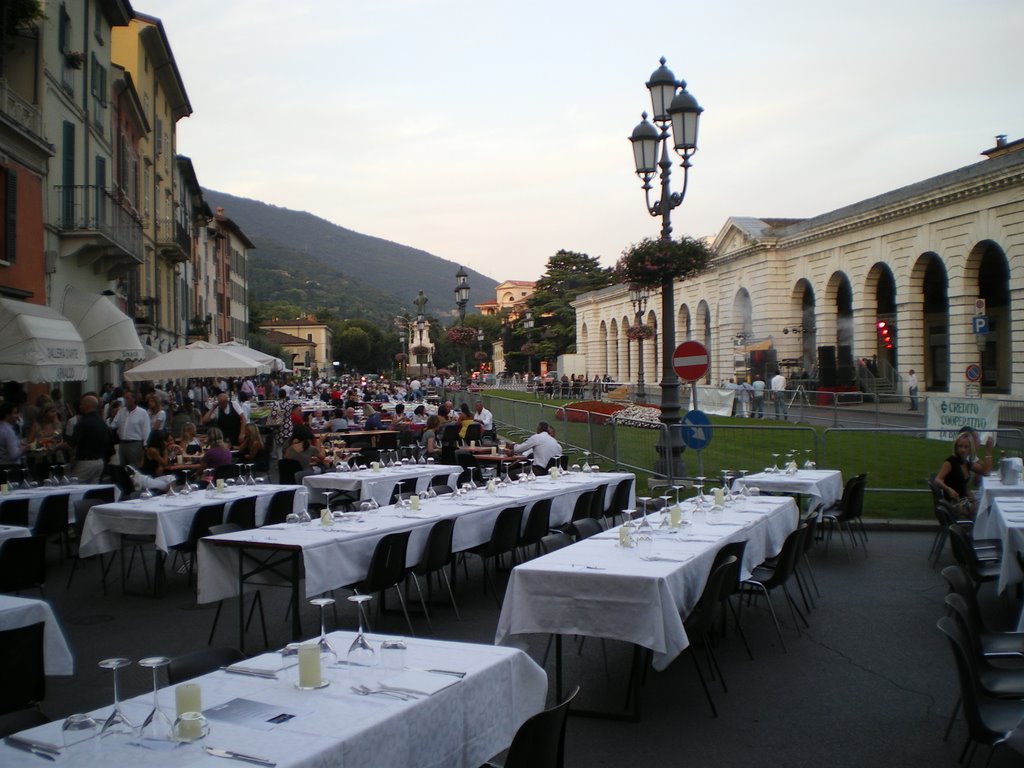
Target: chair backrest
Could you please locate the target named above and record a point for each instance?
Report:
(449, 434)
(403, 489)
(582, 507)
(505, 533)
(540, 741)
(217, 530)
(53, 515)
(206, 517)
(196, 663)
(792, 548)
(597, 501)
(586, 528)
(227, 471)
(733, 549)
(367, 456)
(963, 550)
(716, 589)
(620, 500)
(281, 505)
(82, 507)
(21, 720)
(474, 431)
(856, 507)
(538, 523)
(961, 613)
(14, 512)
(437, 552)
(286, 469)
(970, 690)
(387, 565)
(554, 541)
(24, 681)
(22, 564)
(103, 495)
(242, 513)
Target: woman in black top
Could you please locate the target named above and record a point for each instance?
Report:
(954, 477)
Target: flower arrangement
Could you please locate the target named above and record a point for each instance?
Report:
(594, 411)
(420, 350)
(644, 416)
(461, 335)
(401, 357)
(74, 59)
(650, 263)
(480, 355)
(642, 331)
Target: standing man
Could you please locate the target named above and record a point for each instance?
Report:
(779, 395)
(11, 449)
(132, 425)
(226, 415)
(758, 396)
(486, 419)
(912, 389)
(91, 440)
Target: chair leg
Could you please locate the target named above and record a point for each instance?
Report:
(703, 682)
(419, 590)
(810, 572)
(952, 719)
(739, 627)
(771, 609)
(451, 594)
(794, 609)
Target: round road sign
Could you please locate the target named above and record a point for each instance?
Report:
(696, 430)
(973, 372)
(690, 360)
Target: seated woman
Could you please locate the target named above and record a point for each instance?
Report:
(955, 475)
(218, 452)
(305, 448)
(251, 449)
(419, 414)
(465, 419)
(157, 458)
(371, 418)
(47, 431)
(189, 443)
(430, 440)
(317, 422)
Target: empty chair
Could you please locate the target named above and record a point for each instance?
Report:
(989, 719)
(470, 468)
(281, 505)
(206, 517)
(24, 679)
(847, 512)
(196, 663)
(503, 541)
(732, 585)
(257, 600)
(437, 556)
(597, 501)
(581, 509)
(994, 643)
(556, 540)
(403, 489)
(585, 528)
(52, 520)
(23, 564)
(764, 578)
(474, 433)
(82, 507)
(538, 525)
(242, 513)
(540, 741)
(620, 500)
(14, 512)
(21, 720)
(980, 566)
(387, 570)
(102, 495)
(286, 469)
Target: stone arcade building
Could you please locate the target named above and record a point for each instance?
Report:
(808, 294)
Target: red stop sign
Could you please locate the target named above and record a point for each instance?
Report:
(690, 360)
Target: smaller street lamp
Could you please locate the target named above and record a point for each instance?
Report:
(638, 297)
(528, 327)
(461, 300)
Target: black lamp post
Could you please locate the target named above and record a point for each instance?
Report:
(638, 296)
(672, 105)
(528, 327)
(421, 320)
(461, 300)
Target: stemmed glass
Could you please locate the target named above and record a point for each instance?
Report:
(643, 500)
(328, 655)
(586, 461)
(360, 653)
(775, 463)
(118, 722)
(157, 725)
(699, 485)
(677, 489)
(808, 463)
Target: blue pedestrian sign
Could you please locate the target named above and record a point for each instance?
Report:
(696, 430)
(979, 324)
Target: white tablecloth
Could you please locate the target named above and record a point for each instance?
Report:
(1003, 519)
(335, 558)
(993, 488)
(36, 496)
(823, 486)
(166, 517)
(460, 726)
(13, 532)
(21, 612)
(378, 485)
(596, 588)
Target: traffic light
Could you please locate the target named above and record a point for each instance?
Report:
(885, 333)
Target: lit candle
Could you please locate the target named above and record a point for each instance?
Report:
(675, 515)
(719, 497)
(188, 697)
(309, 666)
(414, 502)
(220, 484)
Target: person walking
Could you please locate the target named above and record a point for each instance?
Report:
(779, 395)
(912, 389)
(132, 425)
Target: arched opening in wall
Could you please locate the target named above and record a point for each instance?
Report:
(583, 344)
(843, 292)
(806, 363)
(740, 333)
(935, 310)
(683, 323)
(704, 335)
(602, 348)
(994, 288)
(614, 367)
(886, 355)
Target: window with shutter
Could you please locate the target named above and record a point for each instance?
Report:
(8, 236)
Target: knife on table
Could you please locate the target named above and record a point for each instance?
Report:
(43, 750)
(227, 753)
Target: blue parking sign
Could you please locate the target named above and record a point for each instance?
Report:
(979, 324)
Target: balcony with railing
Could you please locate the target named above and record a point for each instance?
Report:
(173, 240)
(17, 110)
(99, 228)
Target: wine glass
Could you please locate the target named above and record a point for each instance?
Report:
(117, 723)
(643, 501)
(328, 655)
(775, 462)
(699, 485)
(157, 725)
(586, 462)
(360, 653)
(677, 489)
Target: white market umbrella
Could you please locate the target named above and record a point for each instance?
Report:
(38, 343)
(275, 363)
(108, 333)
(198, 360)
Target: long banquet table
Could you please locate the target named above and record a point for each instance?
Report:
(597, 588)
(378, 485)
(21, 612)
(1001, 516)
(463, 723)
(13, 532)
(823, 487)
(35, 497)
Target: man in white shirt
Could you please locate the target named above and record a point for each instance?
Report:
(543, 446)
(485, 417)
(132, 425)
(912, 389)
(779, 395)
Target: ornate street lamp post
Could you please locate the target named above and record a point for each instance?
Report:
(461, 300)
(671, 105)
(528, 327)
(421, 320)
(638, 296)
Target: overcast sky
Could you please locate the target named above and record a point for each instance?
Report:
(494, 134)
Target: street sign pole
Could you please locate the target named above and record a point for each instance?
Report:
(690, 362)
